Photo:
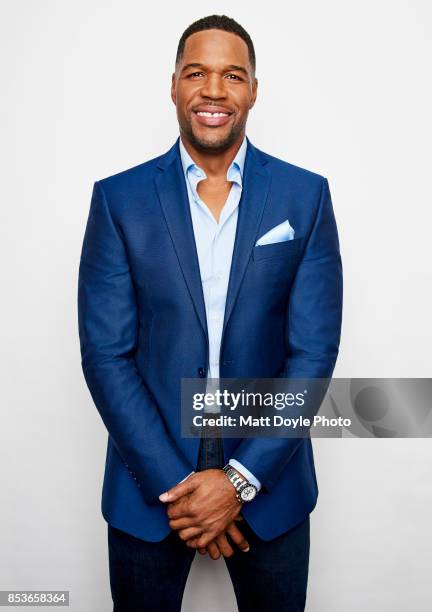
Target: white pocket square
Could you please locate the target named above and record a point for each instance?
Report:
(280, 233)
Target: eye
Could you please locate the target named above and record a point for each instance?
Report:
(235, 77)
(194, 73)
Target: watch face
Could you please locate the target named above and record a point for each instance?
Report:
(248, 493)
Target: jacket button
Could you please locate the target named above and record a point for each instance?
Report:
(201, 372)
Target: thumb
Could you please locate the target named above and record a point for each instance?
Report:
(183, 488)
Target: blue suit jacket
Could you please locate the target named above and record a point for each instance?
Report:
(142, 327)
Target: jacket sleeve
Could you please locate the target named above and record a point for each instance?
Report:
(312, 335)
(108, 322)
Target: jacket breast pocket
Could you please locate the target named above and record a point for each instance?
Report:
(287, 249)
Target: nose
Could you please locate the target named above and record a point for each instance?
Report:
(213, 87)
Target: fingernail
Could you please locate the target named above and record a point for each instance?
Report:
(246, 549)
(164, 497)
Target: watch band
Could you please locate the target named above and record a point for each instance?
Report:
(240, 484)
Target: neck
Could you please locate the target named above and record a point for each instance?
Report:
(215, 165)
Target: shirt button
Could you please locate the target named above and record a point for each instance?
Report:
(201, 372)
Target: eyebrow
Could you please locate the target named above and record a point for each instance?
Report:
(230, 67)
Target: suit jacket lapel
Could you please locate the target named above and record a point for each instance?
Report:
(171, 187)
(173, 196)
(256, 182)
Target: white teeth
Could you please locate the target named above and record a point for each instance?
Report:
(205, 114)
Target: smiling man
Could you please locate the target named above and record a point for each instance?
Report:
(212, 260)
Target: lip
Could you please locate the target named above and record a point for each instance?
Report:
(212, 121)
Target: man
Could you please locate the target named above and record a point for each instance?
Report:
(212, 260)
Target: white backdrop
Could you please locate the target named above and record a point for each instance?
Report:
(344, 90)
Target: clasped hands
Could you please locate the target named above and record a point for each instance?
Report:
(203, 509)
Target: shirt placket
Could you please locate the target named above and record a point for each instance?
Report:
(214, 275)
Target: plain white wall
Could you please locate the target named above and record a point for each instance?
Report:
(344, 90)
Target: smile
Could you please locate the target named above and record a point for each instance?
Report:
(204, 114)
(210, 119)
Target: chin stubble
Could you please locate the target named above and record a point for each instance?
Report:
(214, 146)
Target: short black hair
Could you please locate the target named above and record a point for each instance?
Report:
(217, 22)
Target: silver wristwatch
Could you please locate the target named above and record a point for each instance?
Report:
(245, 491)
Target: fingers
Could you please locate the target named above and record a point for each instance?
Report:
(224, 546)
(217, 547)
(182, 523)
(205, 538)
(220, 544)
(183, 488)
(237, 537)
(213, 551)
(202, 551)
(190, 532)
(179, 509)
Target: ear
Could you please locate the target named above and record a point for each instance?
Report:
(254, 92)
(173, 88)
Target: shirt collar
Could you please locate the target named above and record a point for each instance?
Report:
(234, 173)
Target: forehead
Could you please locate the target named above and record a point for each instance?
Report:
(214, 47)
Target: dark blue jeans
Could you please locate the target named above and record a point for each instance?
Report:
(151, 576)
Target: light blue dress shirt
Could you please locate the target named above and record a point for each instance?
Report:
(215, 243)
